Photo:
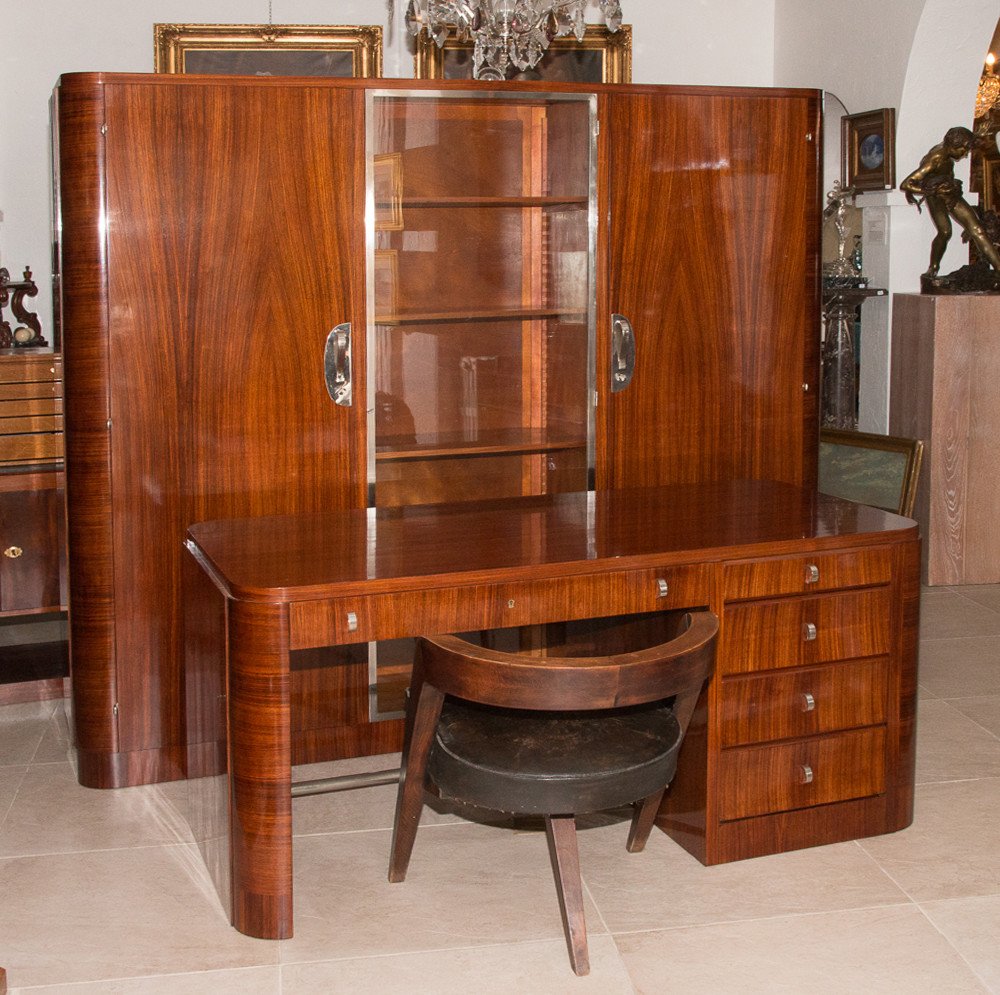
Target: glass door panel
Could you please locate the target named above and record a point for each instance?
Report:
(481, 218)
(481, 288)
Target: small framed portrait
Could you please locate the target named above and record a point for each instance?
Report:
(868, 150)
(602, 57)
(268, 49)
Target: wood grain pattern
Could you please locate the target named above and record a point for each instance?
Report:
(713, 258)
(759, 780)
(715, 808)
(280, 569)
(768, 635)
(210, 376)
(945, 366)
(774, 706)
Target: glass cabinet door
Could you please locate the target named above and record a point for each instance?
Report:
(481, 222)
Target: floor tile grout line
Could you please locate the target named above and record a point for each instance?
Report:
(92, 850)
(710, 923)
(947, 940)
(13, 798)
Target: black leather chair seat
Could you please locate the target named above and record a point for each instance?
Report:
(543, 762)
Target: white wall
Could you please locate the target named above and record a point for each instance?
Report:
(729, 42)
(923, 57)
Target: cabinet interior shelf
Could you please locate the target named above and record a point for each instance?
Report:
(508, 442)
(486, 314)
(480, 201)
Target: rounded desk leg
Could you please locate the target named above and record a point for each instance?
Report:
(260, 759)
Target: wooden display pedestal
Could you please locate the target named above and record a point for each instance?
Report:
(945, 370)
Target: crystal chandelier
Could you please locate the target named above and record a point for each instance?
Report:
(989, 88)
(506, 32)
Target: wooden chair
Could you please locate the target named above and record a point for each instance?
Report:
(552, 736)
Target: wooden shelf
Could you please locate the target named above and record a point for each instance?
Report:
(509, 442)
(487, 314)
(511, 201)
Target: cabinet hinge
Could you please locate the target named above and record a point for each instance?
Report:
(104, 129)
(597, 127)
(114, 709)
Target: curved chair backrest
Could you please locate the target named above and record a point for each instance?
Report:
(513, 680)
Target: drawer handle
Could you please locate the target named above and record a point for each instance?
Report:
(13, 552)
(808, 702)
(812, 574)
(809, 631)
(661, 588)
(805, 774)
(352, 622)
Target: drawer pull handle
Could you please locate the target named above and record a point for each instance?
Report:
(13, 552)
(805, 774)
(661, 588)
(812, 574)
(808, 702)
(809, 631)
(352, 622)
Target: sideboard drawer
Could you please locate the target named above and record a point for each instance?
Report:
(489, 606)
(799, 632)
(806, 574)
(804, 702)
(759, 780)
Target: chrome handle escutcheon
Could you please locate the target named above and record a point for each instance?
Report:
(805, 774)
(622, 352)
(808, 702)
(809, 631)
(337, 364)
(812, 574)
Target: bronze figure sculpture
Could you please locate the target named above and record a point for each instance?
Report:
(934, 183)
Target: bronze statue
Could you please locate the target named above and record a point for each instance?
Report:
(933, 183)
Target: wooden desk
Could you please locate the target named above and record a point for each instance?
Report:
(806, 734)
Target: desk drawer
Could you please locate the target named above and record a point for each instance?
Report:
(787, 704)
(489, 606)
(759, 780)
(807, 574)
(804, 631)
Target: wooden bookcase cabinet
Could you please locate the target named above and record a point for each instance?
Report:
(214, 233)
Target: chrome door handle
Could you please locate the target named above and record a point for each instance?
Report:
(337, 364)
(622, 352)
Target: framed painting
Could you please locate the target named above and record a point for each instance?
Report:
(602, 57)
(877, 470)
(268, 49)
(868, 150)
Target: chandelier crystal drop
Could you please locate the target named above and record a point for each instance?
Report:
(989, 89)
(506, 32)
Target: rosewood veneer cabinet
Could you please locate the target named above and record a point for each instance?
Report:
(291, 296)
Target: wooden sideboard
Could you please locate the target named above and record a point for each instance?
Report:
(805, 734)
(32, 525)
(945, 368)
(214, 231)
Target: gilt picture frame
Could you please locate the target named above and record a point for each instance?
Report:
(268, 49)
(602, 56)
(877, 470)
(868, 150)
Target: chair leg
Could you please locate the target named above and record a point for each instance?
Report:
(561, 833)
(410, 796)
(642, 821)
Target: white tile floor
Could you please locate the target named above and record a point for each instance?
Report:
(104, 891)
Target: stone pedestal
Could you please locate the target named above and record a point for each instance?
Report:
(945, 389)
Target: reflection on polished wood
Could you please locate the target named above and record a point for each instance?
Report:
(815, 687)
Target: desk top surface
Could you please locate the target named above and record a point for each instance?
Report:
(370, 550)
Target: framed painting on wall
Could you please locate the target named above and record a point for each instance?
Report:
(602, 57)
(868, 150)
(268, 49)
